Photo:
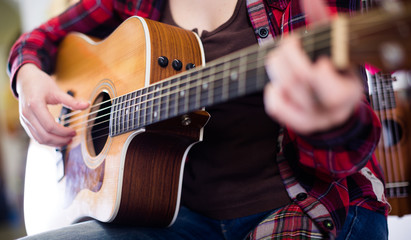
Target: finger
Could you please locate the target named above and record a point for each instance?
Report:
(289, 57)
(36, 132)
(68, 101)
(48, 124)
(289, 66)
(339, 89)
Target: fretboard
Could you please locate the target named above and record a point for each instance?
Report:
(224, 79)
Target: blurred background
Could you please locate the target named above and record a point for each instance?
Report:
(17, 16)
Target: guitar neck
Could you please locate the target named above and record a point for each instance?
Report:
(235, 75)
(227, 78)
(355, 40)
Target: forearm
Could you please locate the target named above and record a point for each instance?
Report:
(40, 45)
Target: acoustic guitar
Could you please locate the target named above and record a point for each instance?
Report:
(125, 164)
(394, 112)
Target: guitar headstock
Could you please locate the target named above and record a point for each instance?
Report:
(381, 37)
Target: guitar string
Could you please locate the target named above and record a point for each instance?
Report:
(176, 84)
(179, 83)
(147, 114)
(391, 152)
(141, 110)
(396, 153)
(393, 155)
(360, 26)
(259, 62)
(237, 55)
(382, 114)
(142, 118)
(71, 114)
(389, 116)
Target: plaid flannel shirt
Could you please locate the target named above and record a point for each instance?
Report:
(324, 174)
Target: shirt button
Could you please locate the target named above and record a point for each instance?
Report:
(263, 32)
(328, 224)
(301, 196)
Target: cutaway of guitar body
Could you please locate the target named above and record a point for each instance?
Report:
(133, 177)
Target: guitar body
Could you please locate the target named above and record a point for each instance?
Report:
(134, 177)
(392, 151)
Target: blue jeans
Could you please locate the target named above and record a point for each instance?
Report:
(190, 225)
(362, 223)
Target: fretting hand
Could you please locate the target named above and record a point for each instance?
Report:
(309, 97)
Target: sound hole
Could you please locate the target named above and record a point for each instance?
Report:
(98, 124)
(392, 132)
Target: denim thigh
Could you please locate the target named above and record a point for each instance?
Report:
(188, 225)
(363, 224)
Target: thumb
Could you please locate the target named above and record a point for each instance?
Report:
(316, 11)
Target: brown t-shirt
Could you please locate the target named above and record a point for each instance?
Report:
(232, 172)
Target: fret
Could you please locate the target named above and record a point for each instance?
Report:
(149, 106)
(182, 95)
(233, 83)
(218, 83)
(156, 104)
(243, 74)
(121, 115)
(251, 73)
(186, 90)
(116, 116)
(311, 43)
(132, 110)
(173, 99)
(164, 100)
(127, 113)
(226, 80)
(198, 90)
(204, 88)
(192, 93)
(113, 117)
(211, 84)
(143, 104)
(124, 110)
(137, 109)
(262, 77)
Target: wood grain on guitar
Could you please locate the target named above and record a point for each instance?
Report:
(125, 164)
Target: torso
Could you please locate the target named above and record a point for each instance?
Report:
(232, 172)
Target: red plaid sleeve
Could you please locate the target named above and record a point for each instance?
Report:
(344, 150)
(96, 18)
